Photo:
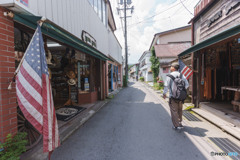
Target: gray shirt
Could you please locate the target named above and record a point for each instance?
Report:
(168, 84)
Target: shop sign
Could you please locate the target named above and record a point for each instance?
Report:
(214, 18)
(87, 38)
(229, 7)
(24, 2)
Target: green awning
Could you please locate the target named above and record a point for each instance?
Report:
(58, 33)
(210, 41)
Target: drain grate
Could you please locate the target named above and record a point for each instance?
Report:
(226, 146)
(190, 116)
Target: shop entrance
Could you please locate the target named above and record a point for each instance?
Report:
(75, 79)
(220, 77)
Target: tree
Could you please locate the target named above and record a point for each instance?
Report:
(155, 65)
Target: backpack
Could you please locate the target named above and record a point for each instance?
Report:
(179, 91)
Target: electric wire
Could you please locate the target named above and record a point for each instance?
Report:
(153, 15)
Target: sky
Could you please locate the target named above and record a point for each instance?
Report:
(165, 15)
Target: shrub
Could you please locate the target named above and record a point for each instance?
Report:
(141, 79)
(14, 146)
(158, 86)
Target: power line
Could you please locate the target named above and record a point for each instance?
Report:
(186, 8)
(138, 39)
(152, 16)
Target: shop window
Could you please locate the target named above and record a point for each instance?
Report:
(91, 2)
(95, 6)
(104, 13)
(100, 9)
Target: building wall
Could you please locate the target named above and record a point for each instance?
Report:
(201, 29)
(114, 49)
(8, 106)
(180, 36)
(74, 16)
(163, 75)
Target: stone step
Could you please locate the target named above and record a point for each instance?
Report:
(224, 125)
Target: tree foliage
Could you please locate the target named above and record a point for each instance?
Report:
(155, 65)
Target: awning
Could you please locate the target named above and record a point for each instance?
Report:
(210, 41)
(54, 31)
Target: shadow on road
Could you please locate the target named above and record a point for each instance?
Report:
(132, 126)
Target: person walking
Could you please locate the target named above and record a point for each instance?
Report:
(177, 84)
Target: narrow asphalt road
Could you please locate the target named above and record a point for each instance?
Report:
(134, 125)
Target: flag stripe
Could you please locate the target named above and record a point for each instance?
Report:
(30, 109)
(29, 69)
(189, 75)
(46, 119)
(31, 80)
(49, 115)
(30, 118)
(29, 88)
(184, 69)
(29, 97)
(187, 72)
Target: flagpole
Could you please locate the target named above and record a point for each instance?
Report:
(40, 22)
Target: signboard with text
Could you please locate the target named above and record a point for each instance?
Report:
(24, 2)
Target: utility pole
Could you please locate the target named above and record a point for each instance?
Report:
(129, 2)
(126, 49)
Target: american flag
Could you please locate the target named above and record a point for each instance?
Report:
(34, 93)
(187, 72)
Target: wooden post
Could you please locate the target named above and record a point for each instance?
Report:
(236, 108)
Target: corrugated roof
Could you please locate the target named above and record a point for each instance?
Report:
(170, 50)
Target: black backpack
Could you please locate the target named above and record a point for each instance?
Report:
(179, 91)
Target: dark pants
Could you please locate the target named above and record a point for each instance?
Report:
(176, 111)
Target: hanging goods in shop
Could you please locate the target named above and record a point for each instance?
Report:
(49, 57)
(34, 94)
(71, 82)
(71, 74)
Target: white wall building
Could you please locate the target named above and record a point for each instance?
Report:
(145, 66)
(168, 45)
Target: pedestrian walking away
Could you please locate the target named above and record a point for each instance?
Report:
(177, 84)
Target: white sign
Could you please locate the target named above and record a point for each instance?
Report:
(87, 38)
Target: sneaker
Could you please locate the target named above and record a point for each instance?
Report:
(180, 124)
(178, 129)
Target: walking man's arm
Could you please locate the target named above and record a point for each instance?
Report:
(186, 82)
(166, 86)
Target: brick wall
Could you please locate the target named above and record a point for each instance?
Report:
(8, 110)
